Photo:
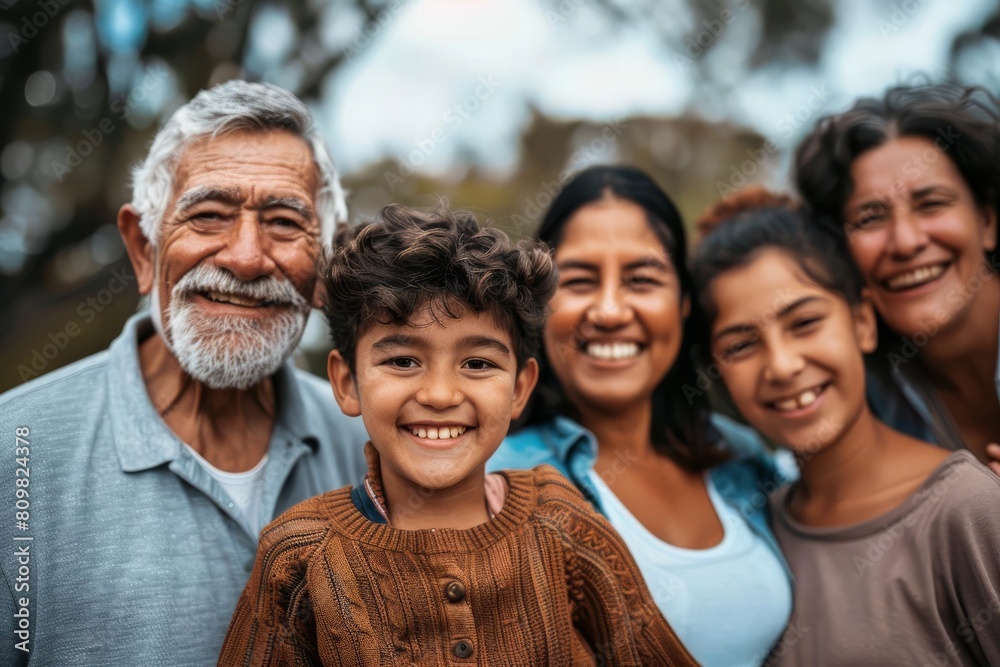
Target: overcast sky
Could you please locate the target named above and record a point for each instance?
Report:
(442, 74)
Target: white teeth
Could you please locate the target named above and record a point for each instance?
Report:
(807, 398)
(438, 432)
(612, 350)
(219, 297)
(787, 405)
(803, 400)
(915, 277)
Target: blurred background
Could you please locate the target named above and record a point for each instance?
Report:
(489, 104)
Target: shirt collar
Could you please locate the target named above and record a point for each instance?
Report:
(564, 434)
(142, 438)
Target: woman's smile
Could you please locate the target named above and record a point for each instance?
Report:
(618, 315)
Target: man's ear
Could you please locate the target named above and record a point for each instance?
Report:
(524, 384)
(345, 390)
(685, 307)
(138, 247)
(865, 323)
(319, 294)
(322, 267)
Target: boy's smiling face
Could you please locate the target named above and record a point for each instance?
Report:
(437, 399)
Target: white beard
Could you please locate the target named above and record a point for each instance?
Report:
(230, 352)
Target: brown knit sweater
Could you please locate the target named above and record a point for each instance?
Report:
(546, 582)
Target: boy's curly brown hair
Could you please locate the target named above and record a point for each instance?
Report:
(406, 259)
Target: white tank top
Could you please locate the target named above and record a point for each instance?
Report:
(729, 603)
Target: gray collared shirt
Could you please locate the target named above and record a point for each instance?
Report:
(136, 554)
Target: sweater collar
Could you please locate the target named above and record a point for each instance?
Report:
(496, 485)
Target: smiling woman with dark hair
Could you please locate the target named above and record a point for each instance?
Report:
(619, 410)
(913, 179)
(893, 541)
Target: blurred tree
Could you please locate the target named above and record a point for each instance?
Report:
(86, 84)
(975, 54)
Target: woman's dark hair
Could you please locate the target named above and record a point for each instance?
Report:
(963, 122)
(680, 427)
(818, 248)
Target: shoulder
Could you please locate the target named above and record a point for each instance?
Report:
(966, 497)
(76, 381)
(552, 485)
(752, 456)
(739, 439)
(955, 514)
(960, 530)
(62, 408)
(289, 549)
(590, 546)
(562, 506)
(550, 443)
(301, 528)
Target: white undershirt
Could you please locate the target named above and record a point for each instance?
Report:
(245, 489)
(729, 603)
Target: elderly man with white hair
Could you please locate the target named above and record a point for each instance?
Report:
(144, 473)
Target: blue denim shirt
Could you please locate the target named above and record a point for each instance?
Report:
(900, 394)
(744, 482)
(136, 554)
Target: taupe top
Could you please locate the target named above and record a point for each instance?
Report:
(919, 585)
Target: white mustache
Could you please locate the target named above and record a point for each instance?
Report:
(207, 278)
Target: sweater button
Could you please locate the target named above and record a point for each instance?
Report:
(462, 649)
(455, 591)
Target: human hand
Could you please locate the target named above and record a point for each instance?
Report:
(993, 457)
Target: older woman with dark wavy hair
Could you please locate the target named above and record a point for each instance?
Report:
(913, 180)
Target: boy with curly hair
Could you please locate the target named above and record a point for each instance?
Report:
(431, 561)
